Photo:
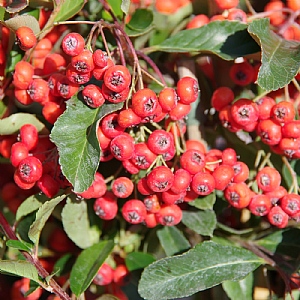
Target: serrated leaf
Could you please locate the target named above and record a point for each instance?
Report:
(140, 22)
(20, 268)
(204, 203)
(76, 223)
(226, 39)
(14, 122)
(74, 134)
(284, 242)
(23, 20)
(67, 9)
(205, 266)
(20, 245)
(42, 215)
(125, 6)
(280, 58)
(138, 260)
(202, 222)
(242, 289)
(29, 205)
(172, 240)
(87, 266)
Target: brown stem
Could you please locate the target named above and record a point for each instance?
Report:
(54, 286)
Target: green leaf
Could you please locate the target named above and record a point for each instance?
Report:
(2, 13)
(172, 240)
(205, 266)
(280, 58)
(42, 215)
(13, 58)
(67, 9)
(204, 203)
(125, 6)
(23, 20)
(284, 242)
(226, 39)
(14, 122)
(76, 223)
(295, 164)
(116, 7)
(138, 260)
(87, 265)
(62, 264)
(20, 268)
(74, 134)
(242, 289)
(140, 22)
(202, 222)
(16, 244)
(29, 205)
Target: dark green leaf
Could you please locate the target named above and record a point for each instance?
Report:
(20, 268)
(14, 122)
(29, 205)
(76, 223)
(42, 215)
(125, 6)
(242, 289)
(74, 134)
(202, 222)
(204, 203)
(32, 287)
(285, 242)
(280, 58)
(23, 246)
(61, 265)
(87, 265)
(67, 9)
(140, 22)
(226, 39)
(138, 260)
(205, 266)
(172, 240)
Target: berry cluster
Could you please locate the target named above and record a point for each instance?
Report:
(273, 122)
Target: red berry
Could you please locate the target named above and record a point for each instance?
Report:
(238, 195)
(182, 180)
(227, 4)
(223, 175)
(260, 205)
(134, 211)
(268, 179)
(23, 74)
(278, 217)
(142, 157)
(144, 102)
(48, 185)
(114, 97)
(291, 129)
(100, 58)
(19, 151)
(283, 112)
(122, 146)
(290, 204)
(160, 179)
(179, 111)
(167, 98)
(276, 194)
(38, 90)
(106, 207)
(169, 215)
(77, 77)
(122, 187)
(128, 118)
(104, 275)
(229, 157)
(241, 172)
(25, 38)
(92, 95)
(242, 73)
(152, 203)
(29, 136)
(203, 183)
(160, 141)
(265, 105)
(269, 131)
(117, 78)
(187, 90)
(121, 274)
(30, 169)
(110, 126)
(192, 161)
(73, 44)
(221, 97)
(83, 62)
